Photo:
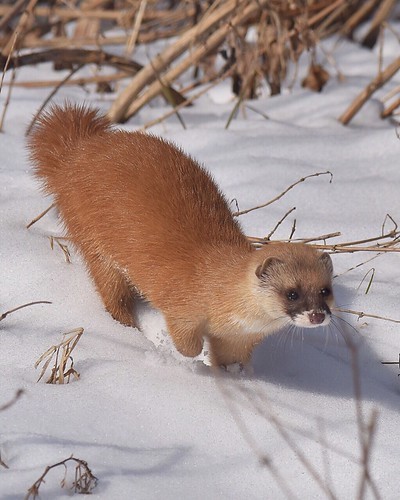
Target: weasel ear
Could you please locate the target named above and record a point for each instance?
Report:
(267, 265)
(326, 260)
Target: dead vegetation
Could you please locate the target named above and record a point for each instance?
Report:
(5, 314)
(251, 42)
(63, 367)
(84, 480)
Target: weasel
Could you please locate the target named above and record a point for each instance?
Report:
(150, 222)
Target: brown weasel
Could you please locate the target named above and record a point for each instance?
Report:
(151, 222)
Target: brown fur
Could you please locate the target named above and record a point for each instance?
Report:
(150, 221)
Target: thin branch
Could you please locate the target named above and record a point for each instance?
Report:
(369, 90)
(4, 315)
(317, 174)
(361, 314)
(33, 221)
(84, 482)
(268, 237)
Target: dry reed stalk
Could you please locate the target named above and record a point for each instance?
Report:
(81, 57)
(74, 56)
(63, 41)
(63, 13)
(61, 373)
(4, 315)
(81, 81)
(380, 80)
(8, 98)
(26, 15)
(87, 26)
(131, 43)
(284, 30)
(8, 12)
(85, 481)
(384, 9)
(325, 28)
(358, 17)
(196, 54)
(121, 105)
(187, 102)
(390, 110)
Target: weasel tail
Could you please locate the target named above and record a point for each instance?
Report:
(150, 222)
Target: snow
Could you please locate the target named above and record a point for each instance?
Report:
(154, 425)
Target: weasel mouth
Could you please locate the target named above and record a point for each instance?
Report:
(312, 319)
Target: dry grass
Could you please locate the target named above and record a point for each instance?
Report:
(63, 367)
(259, 40)
(84, 480)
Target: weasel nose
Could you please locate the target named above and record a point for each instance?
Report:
(316, 318)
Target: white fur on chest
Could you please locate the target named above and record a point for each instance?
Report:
(245, 326)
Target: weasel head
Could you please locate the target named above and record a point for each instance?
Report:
(294, 284)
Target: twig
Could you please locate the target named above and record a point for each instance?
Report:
(268, 237)
(85, 481)
(4, 315)
(317, 174)
(262, 241)
(352, 249)
(361, 314)
(33, 221)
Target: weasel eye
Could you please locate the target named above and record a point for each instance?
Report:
(292, 295)
(325, 292)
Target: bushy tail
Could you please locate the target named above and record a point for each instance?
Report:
(57, 133)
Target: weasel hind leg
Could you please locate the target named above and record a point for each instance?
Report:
(117, 292)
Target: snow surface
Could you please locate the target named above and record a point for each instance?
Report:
(154, 425)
